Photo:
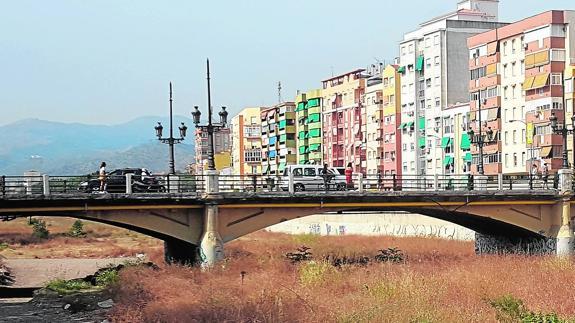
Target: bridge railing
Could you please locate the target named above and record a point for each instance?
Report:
(189, 184)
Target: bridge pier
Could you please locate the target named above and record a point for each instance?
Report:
(565, 234)
(211, 244)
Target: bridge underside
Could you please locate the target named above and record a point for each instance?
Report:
(185, 222)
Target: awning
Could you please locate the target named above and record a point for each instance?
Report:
(272, 154)
(409, 124)
(283, 138)
(492, 48)
(493, 137)
(491, 69)
(421, 123)
(421, 142)
(302, 149)
(472, 116)
(528, 83)
(492, 114)
(445, 142)
(272, 141)
(271, 113)
(468, 157)
(401, 69)
(313, 103)
(447, 161)
(301, 135)
(401, 126)
(465, 142)
(315, 147)
(300, 106)
(282, 124)
(314, 133)
(419, 63)
(314, 117)
(540, 81)
(282, 166)
(545, 151)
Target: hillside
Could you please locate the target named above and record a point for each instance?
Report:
(74, 148)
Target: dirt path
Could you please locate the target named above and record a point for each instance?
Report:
(37, 272)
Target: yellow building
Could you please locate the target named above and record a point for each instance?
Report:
(246, 154)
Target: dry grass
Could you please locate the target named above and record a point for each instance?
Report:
(440, 281)
(101, 241)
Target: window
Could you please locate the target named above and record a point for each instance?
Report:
(505, 92)
(514, 136)
(428, 62)
(478, 73)
(523, 159)
(436, 40)
(513, 46)
(558, 55)
(514, 159)
(436, 81)
(506, 160)
(405, 166)
(437, 102)
(513, 117)
(505, 48)
(522, 66)
(410, 48)
(504, 70)
(427, 41)
(513, 66)
(556, 79)
(505, 136)
(428, 83)
(309, 172)
(436, 60)
(522, 136)
(513, 90)
(492, 92)
(402, 50)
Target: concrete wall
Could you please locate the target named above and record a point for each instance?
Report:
(374, 223)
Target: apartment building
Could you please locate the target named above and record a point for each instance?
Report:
(434, 68)
(278, 131)
(517, 76)
(455, 143)
(343, 119)
(221, 147)
(382, 110)
(246, 142)
(309, 133)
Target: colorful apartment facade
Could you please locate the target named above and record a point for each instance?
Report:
(434, 76)
(278, 129)
(246, 142)
(517, 76)
(343, 118)
(455, 143)
(383, 116)
(309, 127)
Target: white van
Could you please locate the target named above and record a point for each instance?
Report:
(310, 178)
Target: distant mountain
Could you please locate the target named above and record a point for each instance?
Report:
(74, 148)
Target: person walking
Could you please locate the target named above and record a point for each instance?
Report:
(102, 177)
(533, 175)
(545, 175)
(326, 178)
(349, 176)
(379, 180)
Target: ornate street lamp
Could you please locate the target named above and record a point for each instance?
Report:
(480, 141)
(563, 131)
(171, 141)
(210, 127)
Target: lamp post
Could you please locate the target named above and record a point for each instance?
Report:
(563, 131)
(171, 141)
(210, 127)
(480, 141)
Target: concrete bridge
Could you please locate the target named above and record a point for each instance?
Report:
(195, 225)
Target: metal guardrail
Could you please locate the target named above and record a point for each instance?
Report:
(190, 184)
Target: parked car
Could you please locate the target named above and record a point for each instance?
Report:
(116, 182)
(310, 178)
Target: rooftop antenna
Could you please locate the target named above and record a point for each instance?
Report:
(279, 92)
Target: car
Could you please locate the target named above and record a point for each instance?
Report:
(116, 182)
(310, 178)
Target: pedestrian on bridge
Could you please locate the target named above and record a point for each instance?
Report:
(102, 177)
(349, 176)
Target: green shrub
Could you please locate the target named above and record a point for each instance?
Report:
(3, 245)
(77, 230)
(510, 309)
(39, 229)
(107, 278)
(68, 286)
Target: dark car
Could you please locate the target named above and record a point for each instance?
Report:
(116, 182)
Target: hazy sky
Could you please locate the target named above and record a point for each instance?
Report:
(110, 61)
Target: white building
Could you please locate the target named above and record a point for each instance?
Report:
(434, 62)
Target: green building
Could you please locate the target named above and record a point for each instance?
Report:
(309, 129)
